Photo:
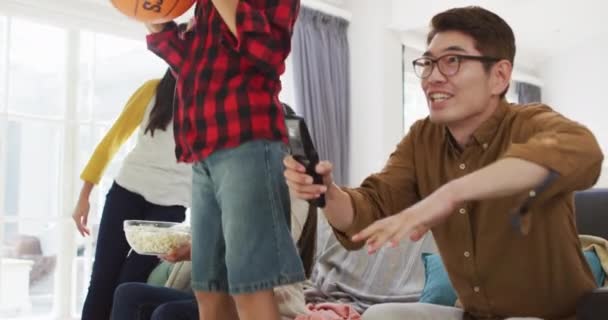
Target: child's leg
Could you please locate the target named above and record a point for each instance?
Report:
(259, 251)
(213, 306)
(209, 279)
(258, 305)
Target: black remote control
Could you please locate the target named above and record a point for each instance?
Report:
(303, 150)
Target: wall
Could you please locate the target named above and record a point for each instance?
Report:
(376, 98)
(575, 81)
(376, 80)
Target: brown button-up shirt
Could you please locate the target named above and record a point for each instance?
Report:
(497, 270)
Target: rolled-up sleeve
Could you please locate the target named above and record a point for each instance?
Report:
(385, 193)
(563, 146)
(263, 33)
(169, 45)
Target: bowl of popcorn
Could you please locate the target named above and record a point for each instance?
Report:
(155, 237)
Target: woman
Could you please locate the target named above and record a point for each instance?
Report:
(151, 185)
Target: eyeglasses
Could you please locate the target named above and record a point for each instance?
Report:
(448, 64)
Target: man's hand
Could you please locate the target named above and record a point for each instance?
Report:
(301, 184)
(414, 221)
(183, 253)
(338, 207)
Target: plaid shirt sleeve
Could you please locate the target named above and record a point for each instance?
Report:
(264, 34)
(169, 45)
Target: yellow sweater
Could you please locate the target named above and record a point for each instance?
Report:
(129, 120)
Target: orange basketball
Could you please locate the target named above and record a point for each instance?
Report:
(153, 11)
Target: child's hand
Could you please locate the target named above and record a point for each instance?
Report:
(186, 29)
(155, 27)
(183, 253)
(190, 24)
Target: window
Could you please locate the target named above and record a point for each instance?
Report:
(3, 64)
(511, 95)
(111, 69)
(414, 100)
(32, 168)
(287, 94)
(39, 169)
(36, 81)
(35, 104)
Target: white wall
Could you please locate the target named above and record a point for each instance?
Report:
(376, 83)
(575, 85)
(376, 103)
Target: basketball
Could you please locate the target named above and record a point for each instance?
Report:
(153, 11)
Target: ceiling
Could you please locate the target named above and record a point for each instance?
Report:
(542, 28)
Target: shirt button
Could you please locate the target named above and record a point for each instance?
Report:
(467, 254)
(462, 211)
(532, 194)
(462, 166)
(476, 289)
(485, 145)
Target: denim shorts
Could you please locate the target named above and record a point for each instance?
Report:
(241, 240)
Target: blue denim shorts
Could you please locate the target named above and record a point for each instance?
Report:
(241, 240)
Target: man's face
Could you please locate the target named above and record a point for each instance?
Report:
(455, 98)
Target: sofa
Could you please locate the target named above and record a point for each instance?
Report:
(592, 219)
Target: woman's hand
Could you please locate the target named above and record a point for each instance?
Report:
(81, 216)
(183, 253)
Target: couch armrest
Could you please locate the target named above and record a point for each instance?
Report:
(593, 305)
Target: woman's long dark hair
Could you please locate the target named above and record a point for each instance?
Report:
(162, 112)
(308, 241)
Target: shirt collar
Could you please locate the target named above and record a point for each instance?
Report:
(486, 131)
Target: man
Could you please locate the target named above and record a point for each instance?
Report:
(493, 181)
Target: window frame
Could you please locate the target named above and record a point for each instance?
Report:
(71, 122)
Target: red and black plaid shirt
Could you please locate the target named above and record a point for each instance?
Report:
(227, 88)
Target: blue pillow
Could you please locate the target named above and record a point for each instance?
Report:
(596, 266)
(438, 288)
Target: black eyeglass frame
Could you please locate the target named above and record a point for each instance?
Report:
(435, 62)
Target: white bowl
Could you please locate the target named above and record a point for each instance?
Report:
(155, 237)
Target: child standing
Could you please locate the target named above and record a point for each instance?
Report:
(229, 124)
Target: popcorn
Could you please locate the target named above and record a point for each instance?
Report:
(150, 239)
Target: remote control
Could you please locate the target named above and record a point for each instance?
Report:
(303, 150)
